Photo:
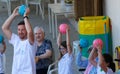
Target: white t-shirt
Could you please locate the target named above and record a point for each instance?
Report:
(24, 56)
(100, 71)
(66, 64)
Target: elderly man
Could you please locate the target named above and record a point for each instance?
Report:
(44, 51)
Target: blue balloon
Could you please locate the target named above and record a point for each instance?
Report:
(22, 9)
(84, 42)
(1, 38)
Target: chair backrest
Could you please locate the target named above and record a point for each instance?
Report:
(14, 0)
(8, 0)
(54, 71)
(4, 62)
(55, 1)
(53, 68)
(32, 2)
(3, 0)
(117, 58)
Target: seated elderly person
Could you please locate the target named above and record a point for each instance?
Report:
(44, 51)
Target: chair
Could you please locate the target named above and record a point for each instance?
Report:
(52, 68)
(55, 2)
(8, 2)
(39, 6)
(4, 62)
(117, 57)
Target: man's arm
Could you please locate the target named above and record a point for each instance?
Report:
(6, 26)
(28, 27)
(48, 54)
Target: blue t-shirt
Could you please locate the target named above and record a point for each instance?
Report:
(80, 62)
(44, 63)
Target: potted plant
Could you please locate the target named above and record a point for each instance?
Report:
(68, 5)
(69, 2)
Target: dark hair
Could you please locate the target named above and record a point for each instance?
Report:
(90, 48)
(64, 44)
(109, 59)
(21, 23)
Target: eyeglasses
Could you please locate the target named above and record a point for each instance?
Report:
(61, 48)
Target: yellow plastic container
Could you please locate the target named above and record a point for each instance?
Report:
(117, 56)
(93, 25)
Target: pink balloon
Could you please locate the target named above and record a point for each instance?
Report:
(62, 28)
(97, 42)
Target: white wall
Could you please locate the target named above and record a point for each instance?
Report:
(112, 9)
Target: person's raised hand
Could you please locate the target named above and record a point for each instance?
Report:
(15, 11)
(27, 12)
(99, 48)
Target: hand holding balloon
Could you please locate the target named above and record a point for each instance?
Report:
(22, 10)
(98, 43)
(63, 28)
(84, 43)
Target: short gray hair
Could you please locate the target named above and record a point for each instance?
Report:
(38, 28)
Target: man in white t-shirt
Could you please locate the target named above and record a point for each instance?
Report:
(23, 43)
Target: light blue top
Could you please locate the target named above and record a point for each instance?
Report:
(80, 62)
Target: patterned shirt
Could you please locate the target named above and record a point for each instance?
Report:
(44, 63)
